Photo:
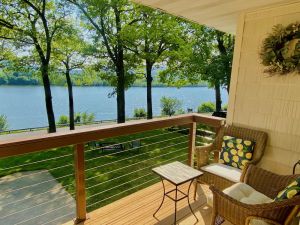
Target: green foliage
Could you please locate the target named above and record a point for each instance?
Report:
(18, 78)
(77, 117)
(140, 113)
(32, 26)
(107, 22)
(180, 111)
(225, 107)
(6, 53)
(70, 51)
(80, 118)
(281, 49)
(155, 38)
(63, 120)
(206, 107)
(87, 117)
(170, 106)
(3, 123)
(208, 57)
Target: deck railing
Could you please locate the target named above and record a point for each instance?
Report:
(121, 166)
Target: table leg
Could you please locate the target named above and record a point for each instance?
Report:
(162, 199)
(188, 197)
(176, 191)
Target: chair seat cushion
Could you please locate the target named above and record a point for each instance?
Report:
(246, 194)
(227, 172)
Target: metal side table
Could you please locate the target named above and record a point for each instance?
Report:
(177, 173)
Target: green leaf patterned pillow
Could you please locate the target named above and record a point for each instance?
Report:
(290, 191)
(236, 152)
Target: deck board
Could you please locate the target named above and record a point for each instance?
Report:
(137, 209)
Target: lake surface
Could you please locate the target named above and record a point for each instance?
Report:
(24, 106)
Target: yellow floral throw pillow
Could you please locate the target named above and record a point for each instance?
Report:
(236, 152)
(290, 191)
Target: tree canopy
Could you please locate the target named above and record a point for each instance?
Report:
(112, 42)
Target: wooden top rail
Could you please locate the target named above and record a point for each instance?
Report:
(60, 139)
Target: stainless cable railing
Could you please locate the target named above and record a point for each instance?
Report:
(127, 168)
(98, 166)
(32, 189)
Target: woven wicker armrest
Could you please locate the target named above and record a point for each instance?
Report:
(266, 182)
(216, 155)
(237, 212)
(202, 153)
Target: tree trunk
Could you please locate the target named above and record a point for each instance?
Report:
(121, 93)
(48, 99)
(71, 101)
(228, 87)
(120, 70)
(218, 97)
(149, 89)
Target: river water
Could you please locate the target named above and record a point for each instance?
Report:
(24, 106)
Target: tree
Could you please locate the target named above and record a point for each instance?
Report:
(3, 123)
(170, 106)
(69, 53)
(226, 49)
(217, 70)
(210, 60)
(87, 118)
(139, 113)
(153, 39)
(63, 120)
(6, 53)
(206, 107)
(35, 24)
(107, 19)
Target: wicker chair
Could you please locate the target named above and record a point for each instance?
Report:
(203, 152)
(267, 183)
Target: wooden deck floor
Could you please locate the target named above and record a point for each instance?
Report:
(137, 209)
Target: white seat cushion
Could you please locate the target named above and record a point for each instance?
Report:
(230, 173)
(246, 194)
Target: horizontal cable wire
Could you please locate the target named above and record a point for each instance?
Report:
(91, 195)
(203, 143)
(44, 160)
(23, 210)
(122, 192)
(33, 185)
(138, 139)
(24, 221)
(206, 138)
(33, 196)
(206, 131)
(97, 167)
(101, 192)
(44, 171)
(57, 218)
(134, 172)
(134, 164)
(135, 148)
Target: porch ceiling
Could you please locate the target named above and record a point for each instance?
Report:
(220, 14)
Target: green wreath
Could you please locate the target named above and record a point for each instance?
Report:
(281, 50)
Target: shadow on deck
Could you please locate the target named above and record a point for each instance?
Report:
(137, 209)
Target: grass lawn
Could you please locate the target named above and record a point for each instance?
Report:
(110, 175)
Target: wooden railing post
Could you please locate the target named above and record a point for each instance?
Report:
(216, 154)
(80, 183)
(192, 141)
